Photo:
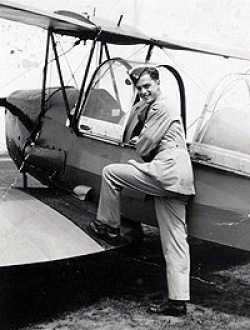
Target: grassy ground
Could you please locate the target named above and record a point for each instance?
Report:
(113, 292)
(220, 284)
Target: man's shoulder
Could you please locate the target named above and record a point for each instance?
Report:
(160, 105)
(162, 108)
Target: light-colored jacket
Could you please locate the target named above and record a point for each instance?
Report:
(162, 145)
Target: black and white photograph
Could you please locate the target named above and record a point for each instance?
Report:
(124, 165)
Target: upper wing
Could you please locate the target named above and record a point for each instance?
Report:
(71, 24)
(68, 23)
(43, 19)
(203, 48)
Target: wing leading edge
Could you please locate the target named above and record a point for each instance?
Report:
(72, 24)
(204, 48)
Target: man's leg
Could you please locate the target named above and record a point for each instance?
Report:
(171, 218)
(116, 177)
(109, 202)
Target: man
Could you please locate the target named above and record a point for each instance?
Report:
(166, 173)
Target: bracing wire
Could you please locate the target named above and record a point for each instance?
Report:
(77, 69)
(136, 52)
(118, 64)
(22, 74)
(73, 73)
(69, 67)
(65, 52)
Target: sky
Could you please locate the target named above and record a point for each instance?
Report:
(222, 22)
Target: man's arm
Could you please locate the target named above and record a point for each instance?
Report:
(134, 125)
(155, 127)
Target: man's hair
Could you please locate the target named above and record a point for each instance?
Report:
(136, 73)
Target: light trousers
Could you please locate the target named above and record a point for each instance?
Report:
(170, 213)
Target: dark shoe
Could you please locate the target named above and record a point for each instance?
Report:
(132, 231)
(133, 239)
(105, 232)
(170, 307)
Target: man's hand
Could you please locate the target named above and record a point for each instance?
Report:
(134, 140)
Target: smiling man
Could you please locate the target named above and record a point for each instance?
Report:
(165, 173)
(147, 82)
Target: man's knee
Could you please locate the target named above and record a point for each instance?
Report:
(108, 171)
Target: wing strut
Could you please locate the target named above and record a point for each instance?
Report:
(35, 132)
(101, 53)
(45, 69)
(79, 102)
(60, 76)
(113, 76)
(36, 127)
(149, 53)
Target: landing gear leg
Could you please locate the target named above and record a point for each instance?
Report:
(25, 180)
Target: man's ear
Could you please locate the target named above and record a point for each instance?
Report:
(158, 82)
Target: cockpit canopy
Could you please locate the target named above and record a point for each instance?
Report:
(226, 116)
(109, 99)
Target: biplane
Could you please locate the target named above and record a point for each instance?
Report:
(63, 136)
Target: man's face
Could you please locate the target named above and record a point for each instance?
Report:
(148, 88)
